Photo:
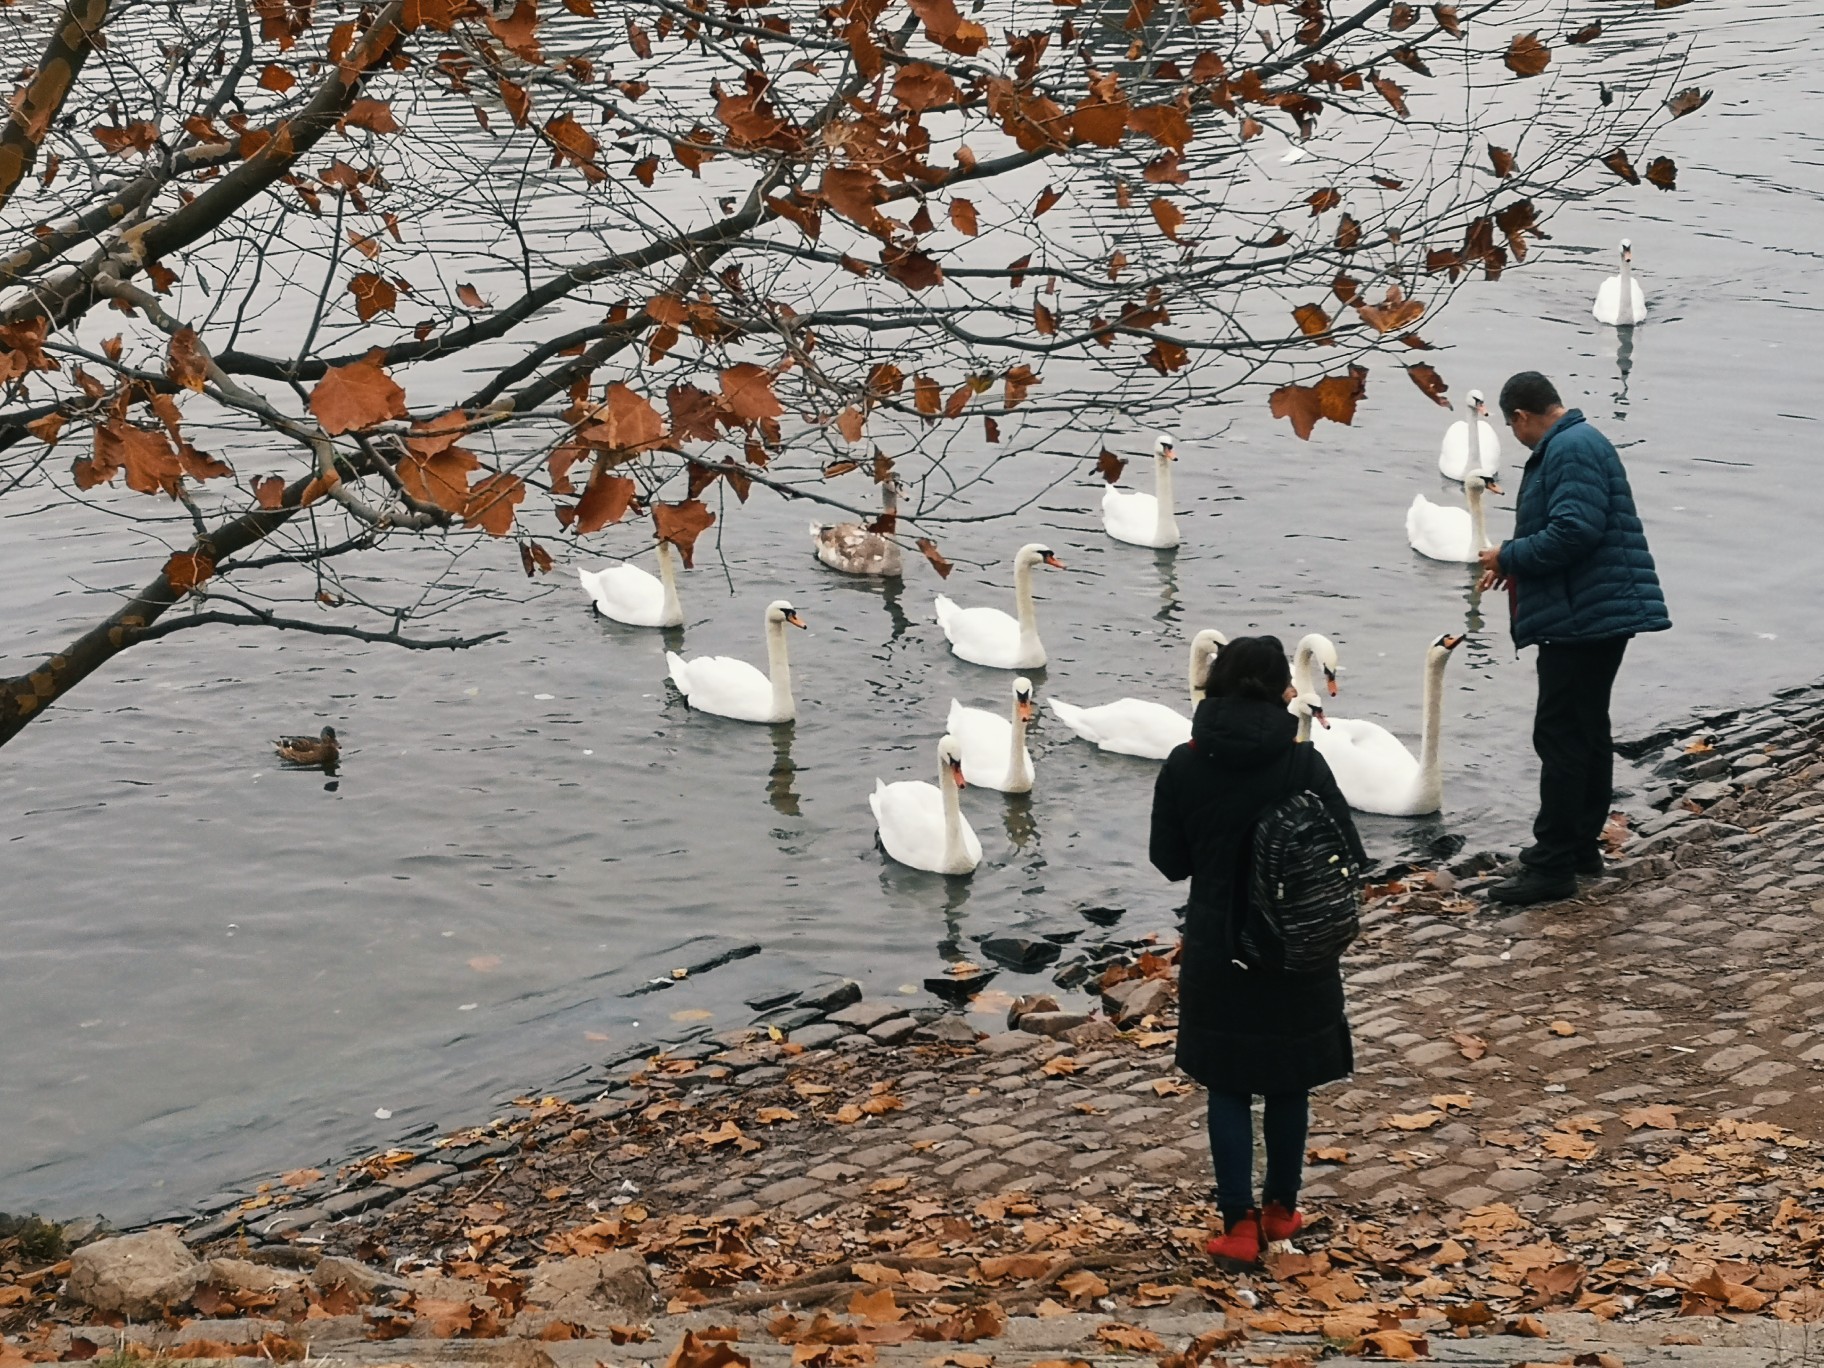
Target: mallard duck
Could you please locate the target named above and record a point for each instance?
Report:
(318, 752)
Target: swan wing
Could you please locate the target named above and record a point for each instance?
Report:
(1131, 517)
(910, 815)
(625, 593)
(1640, 300)
(987, 742)
(1453, 452)
(1490, 443)
(1373, 767)
(1444, 534)
(984, 636)
(725, 686)
(1128, 726)
(852, 549)
(1607, 308)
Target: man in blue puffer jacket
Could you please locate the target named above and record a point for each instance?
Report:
(1581, 582)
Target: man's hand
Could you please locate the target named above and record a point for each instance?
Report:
(1492, 575)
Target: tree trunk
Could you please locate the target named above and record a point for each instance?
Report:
(37, 105)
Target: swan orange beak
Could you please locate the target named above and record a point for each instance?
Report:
(1489, 484)
(1025, 709)
(1171, 453)
(1330, 683)
(795, 620)
(1450, 643)
(1052, 561)
(956, 773)
(1317, 716)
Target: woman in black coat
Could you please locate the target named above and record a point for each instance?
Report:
(1247, 1031)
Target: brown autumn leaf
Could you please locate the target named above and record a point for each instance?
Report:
(374, 294)
(1663, 172)
(536, 560)
(1502, 160)
(490, 503)
(1526, 55)
(358, 395)
(184, 362)
(606, 500)
(1414, 1121)
(148, 458)
(1563, 1028)
(1446, 15)
(187, 569)
(920, 86)
(1016, 383)
(1403, 17)
(1568, 1146)
(573, 143)
(1393, 314)
(1430, 383)
(962, 217)
(1082, 1285)
(1333, 398)
(1402, 1345)
(1168, 216)
(696, 1352)
(276, 78)
(932, 554)
(1324, 200)
(1589, 33)
(45, 429)
(1047, 198)
(747, 392)
(1109, 466)
(1395, 95)
(681, 524)
(470, 297)
(1314, 322)
(374, 115)
(300, 1178)
(1165, 124)
(140, 137)
(1688, 101)
(1120, 1335)
(1657, 1116)
(1471, 1047)
(1327, 1154)
(269, 491)
(1617, 161)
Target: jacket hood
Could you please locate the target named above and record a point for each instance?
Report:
(1244, 733)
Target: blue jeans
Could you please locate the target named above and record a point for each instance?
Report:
(1232, 1149)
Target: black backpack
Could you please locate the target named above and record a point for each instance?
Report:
(1302, 908)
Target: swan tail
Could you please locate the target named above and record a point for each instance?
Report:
(679, 671)
(1072, 717)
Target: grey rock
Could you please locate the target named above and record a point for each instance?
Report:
(1147, 997)
(1053, 1023)
(949, 1030)
(243, 1275)
(1029, 1002)
(1019, 952)
(893, 1030)
(615, 1287)
(817, 1035)
(134, 1275)
(1711, 791)
(362, 1279)
(832, 995)
(865, 1016)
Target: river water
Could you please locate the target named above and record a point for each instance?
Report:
(211, 969)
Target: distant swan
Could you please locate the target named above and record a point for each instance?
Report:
(987, 636)
(922, 825)
(1620, 302)
(1453, 453)
(733, 688)
(994, 747)
(1451, 534)
(1145, 519)
(1138, 726)
(851, 548)
(1373, 768)
(628, 594)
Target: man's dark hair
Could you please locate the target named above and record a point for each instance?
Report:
(1250, 667)
(1528, 391)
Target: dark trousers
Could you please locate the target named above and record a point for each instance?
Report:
(1576, 757)
(1232, 1149)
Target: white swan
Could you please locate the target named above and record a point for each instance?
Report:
(1453, 454)
(987, 636)
(922, 824)
(1620, 302)
(1307, 707)
(994, 747)
(1137, 726)
(628, 594)
(1372, 766)
(1451, 534)
(733, 688)
(854, 550)
(1145, 519)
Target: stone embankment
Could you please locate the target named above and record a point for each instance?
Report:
(1584, 1128)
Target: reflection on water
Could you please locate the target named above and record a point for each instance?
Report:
(1624, 366)
(1019, 820)
(1166, 562)
(779, 782)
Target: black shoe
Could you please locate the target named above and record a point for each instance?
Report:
(1534, 886)
(1589, 864)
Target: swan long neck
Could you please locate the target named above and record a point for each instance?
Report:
(1164, 524)
(1624, 297)
(1022, 597)
(1431, 776)
(668, 581)
(953, 813)
(1304, 726)
(1478, 518)
(1201, 654)
(778, 667)
(1016, 753)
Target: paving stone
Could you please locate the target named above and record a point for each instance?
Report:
(1033, 1153)
(869, 1013)
(1733, 1058)
(1008, 1042)
(1160, 1159)
(980, 1177)
(893, 1031)
(776, 1194)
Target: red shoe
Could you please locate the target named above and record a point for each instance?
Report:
(1276, 1223)
(1239, 1243)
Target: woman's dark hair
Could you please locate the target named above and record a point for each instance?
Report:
(1530, 391)
(1250, 667)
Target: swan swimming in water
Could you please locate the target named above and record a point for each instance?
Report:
(628, 594)
(922, 825)
(732, 688)
(1620, 302)
(854, 550)
(1138, 726)
(994, 747)
(1373, 767)
(1454, 452)
(987, 636)
(1145, 519)
(1451, 534)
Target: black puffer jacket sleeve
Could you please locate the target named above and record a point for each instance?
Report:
(1170, 849)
